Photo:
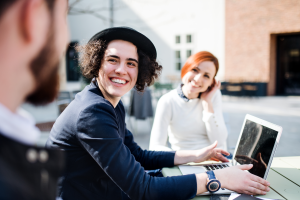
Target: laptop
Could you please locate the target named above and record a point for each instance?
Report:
(256, 145)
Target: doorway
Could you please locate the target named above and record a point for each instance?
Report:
(73, 71)
(288, 65)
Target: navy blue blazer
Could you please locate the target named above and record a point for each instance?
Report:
(102, 159)
(24, 174)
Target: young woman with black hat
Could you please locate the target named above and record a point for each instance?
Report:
(102, 159)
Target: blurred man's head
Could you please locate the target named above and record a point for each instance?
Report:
(33, 37)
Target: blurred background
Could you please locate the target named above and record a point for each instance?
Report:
(257, 43)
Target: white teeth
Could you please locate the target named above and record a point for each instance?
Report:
(118, 81)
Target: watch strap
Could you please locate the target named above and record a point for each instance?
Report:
(213, 184)
(211, 175)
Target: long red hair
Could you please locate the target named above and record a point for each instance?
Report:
(197, 58)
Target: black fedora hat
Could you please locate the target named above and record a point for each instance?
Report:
(127, 34)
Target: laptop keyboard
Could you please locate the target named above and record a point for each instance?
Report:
(213, 167)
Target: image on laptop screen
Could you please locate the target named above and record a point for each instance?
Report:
(255, 147)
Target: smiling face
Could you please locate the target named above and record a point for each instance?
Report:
(119, 70)
(198, 79)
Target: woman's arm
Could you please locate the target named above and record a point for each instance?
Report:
(159, 132)
(210, 152)
(213, 119)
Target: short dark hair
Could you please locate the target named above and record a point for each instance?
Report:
(91, 56)
(5, 4)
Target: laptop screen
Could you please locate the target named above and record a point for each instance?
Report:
(256, 146)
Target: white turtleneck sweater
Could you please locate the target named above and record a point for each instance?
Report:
(186, 124)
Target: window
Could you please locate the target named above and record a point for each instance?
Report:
(177, 60)
(188, 53)
(177, 39)
(188, 38)
(73, 71)
(178, 66)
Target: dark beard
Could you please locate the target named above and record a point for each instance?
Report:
(45, 68)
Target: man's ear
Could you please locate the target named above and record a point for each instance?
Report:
(32, 17)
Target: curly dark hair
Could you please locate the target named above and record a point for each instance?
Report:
(91, 55)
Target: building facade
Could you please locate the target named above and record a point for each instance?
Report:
(262, 45)
(257, 42)
(177, 28)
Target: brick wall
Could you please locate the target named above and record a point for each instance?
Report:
(249, 25)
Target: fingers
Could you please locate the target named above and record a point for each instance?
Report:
(224, 152)
(245, 167)
(258, 189)
(247, 192)
(218, 84)
(216, 154)
(221, 157)
(259, 180)
(255, 191)
(219, 154)
(254, 188)
(257, 185)
(242, 181)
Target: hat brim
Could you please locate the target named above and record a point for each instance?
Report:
(127, 34)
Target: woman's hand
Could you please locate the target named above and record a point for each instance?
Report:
(207, 95)
(211, 153)
(236, 179)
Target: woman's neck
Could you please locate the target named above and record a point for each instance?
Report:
(188, 94)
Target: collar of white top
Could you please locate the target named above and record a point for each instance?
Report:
(19, 126)
(181, 95)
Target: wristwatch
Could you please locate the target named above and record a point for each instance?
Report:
(212, 185)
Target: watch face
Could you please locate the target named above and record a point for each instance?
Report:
(213, 186)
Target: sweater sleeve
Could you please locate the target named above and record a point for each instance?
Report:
(214, 122)
(159, 132)
(97, 131)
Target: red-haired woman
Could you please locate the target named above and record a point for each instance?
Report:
(191, 115)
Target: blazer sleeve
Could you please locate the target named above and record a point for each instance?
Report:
(159, 132)
(97, 131)
(214, 122)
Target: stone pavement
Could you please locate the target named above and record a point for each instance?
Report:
(283, 111)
